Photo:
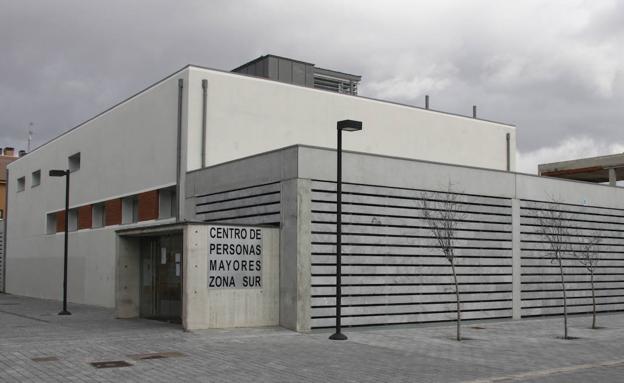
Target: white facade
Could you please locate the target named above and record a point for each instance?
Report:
(248, 115)
(128, 149)
(132, 148)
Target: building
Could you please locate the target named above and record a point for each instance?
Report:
(7, 156)
(599, 169)
(207, 167)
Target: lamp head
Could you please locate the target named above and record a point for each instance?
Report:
(349, 125)
(58, 173)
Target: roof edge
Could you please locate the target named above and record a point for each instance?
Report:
(106, 111)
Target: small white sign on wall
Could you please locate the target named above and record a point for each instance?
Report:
(234, 257)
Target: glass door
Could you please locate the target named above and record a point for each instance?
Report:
(161, 278)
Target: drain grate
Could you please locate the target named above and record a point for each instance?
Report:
(157, 355)
(111, 364)
(45, 359)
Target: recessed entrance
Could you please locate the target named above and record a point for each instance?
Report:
(161, 278)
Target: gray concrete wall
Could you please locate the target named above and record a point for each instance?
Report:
(263, 189)
(205, 307)
(513, 251)
(541, 281)
(393, 271)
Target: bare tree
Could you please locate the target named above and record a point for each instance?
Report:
(587, 255)
(442, 214)
(554, 227)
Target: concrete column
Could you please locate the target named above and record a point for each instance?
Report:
(612, 177)
(516, 259)
(128, 278)
(295, 253)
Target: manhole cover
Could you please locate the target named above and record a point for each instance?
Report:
(45, 359)
(111, 364)
(156, 355)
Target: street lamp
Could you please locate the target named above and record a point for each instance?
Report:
(347, 126)
(64, 173)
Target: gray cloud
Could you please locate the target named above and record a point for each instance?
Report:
(554, 68)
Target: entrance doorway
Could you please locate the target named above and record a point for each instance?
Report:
(161, 278)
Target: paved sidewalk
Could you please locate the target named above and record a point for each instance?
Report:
(521, 351)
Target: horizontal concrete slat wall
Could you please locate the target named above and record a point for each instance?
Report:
(541, 281)
(257, 205)
(393, 270)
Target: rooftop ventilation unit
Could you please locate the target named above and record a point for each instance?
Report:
(300, 73)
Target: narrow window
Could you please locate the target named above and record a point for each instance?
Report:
(74, 162)
(21, 184)
(130, 209)
(167, 202)
(51, 223)
(99, 214)
(73, 220)
(36, 179)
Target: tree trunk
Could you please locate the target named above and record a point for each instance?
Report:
(565, 303)
(591, 272)
(458, 302)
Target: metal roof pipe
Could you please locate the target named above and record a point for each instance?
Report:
(474, 111)
(203, 136)
(426, 101)
(508, 151)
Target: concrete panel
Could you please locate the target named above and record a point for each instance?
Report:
(222, 308)
(295, 252)
(411, 299)
(570, 192)
(36, 267)
(127, 297)
(248, 172)
(410, 318)
(414, 289)
(320, 164)
(423, 261)
(270, 219)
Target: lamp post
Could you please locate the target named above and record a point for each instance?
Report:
(64, 173)
(347, 126)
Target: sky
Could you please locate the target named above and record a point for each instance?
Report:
(553, 68)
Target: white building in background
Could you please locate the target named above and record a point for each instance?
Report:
(147, 172)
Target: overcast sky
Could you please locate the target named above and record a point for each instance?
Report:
(555, 69)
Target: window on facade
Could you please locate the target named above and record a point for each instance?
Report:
(51, 223)
(167, 203)
(1, 214)
(74, 162)
(130, 209)
(99, 215)
(36, 179)
(73, 220)
(21, 184)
